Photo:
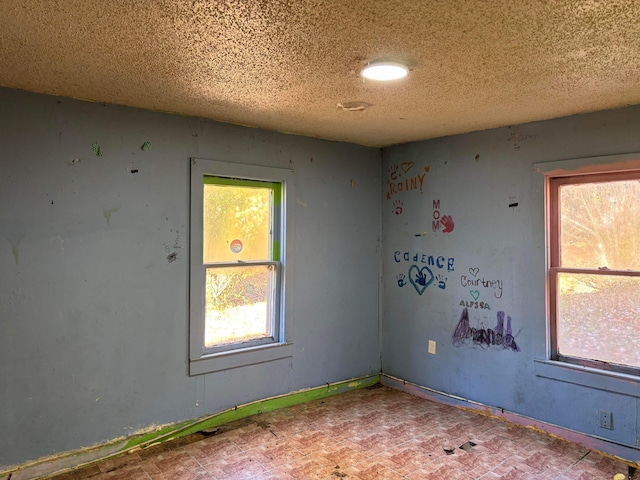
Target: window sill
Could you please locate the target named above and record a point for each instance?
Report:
(589, 377)
(240, 358)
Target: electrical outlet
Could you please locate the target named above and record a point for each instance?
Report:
(432, 347)
(606, 419)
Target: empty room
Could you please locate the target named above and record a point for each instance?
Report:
(319, 239)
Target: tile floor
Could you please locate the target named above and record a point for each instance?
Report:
(374, 433)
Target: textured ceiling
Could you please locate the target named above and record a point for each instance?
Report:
(287, 65)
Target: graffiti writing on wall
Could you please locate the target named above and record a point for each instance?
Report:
(401, 180)
(475, 304)
(516, 139)
(441, 221)
(497, 338)
(420, 274)
(397, 207)
(420, 278)
(419, 257)
(474, 281)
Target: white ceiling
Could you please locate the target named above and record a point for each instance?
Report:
(286, 65)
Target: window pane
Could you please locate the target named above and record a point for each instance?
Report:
(239, 304)
(599, 318)
(237, 223)
(600, 224)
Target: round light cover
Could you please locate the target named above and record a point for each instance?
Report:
(384, 71)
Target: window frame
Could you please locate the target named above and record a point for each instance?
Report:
(274, 248)
(205, 360)
(553, 183)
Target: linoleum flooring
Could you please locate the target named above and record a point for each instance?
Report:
(373, 433)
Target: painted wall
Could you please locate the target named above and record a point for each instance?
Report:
(463, 228)
(93, 314)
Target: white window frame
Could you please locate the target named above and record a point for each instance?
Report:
(201, 359)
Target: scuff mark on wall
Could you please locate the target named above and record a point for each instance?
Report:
(172, 256)
(60, 242)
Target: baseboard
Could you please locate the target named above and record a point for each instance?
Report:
(48, 466)
(621, 452)
(54, 465)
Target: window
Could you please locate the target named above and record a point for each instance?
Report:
(238, 263)
(241, 253)
(594, 269)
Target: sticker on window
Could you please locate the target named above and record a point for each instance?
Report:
(236, 246)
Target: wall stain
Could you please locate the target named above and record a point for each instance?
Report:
(15, 249)
(107, 213)
(14, 241)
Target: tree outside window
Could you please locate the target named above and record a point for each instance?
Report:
(594, 273)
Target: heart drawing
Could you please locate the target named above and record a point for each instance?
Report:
(406, 166)
(475, 294)
(420, 278)
(474, 271)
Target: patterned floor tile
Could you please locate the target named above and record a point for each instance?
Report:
(374, 433)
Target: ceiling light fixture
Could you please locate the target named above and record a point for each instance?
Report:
(384, 71)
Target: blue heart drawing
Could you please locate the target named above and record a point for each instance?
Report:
(420, 278)
(475, 294)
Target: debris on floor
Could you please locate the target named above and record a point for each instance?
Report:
(467, 446)
(337, 473)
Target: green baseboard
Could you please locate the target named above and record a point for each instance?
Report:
(248, 409)
(45, 467)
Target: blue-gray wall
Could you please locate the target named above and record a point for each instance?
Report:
(487, 183)
(93, 317)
